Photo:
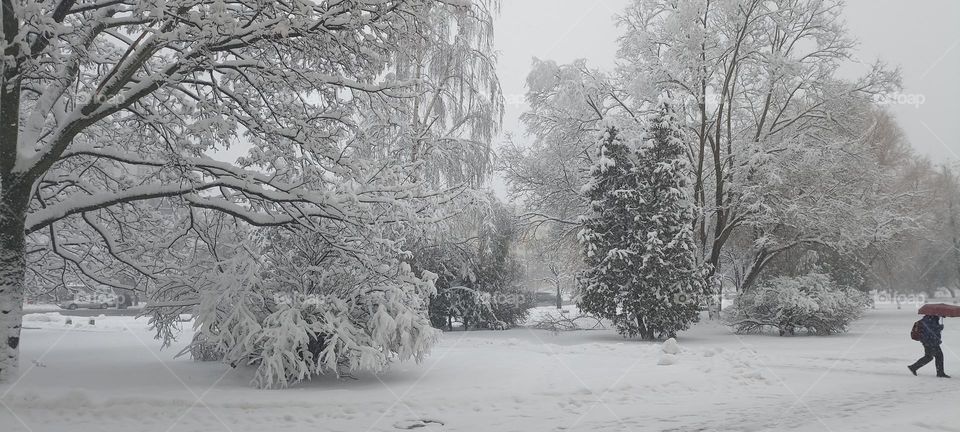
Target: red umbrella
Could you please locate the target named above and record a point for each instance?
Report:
(940, 309)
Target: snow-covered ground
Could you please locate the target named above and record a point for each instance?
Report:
(113, 377)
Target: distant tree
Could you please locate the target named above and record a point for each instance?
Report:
(558, 268)
(499, 273)
(479, 276)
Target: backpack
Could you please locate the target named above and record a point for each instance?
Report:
(916, 333)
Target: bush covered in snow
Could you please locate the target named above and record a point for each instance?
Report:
(480, 302)
(294, 306)
(459, 303)
(813, 302)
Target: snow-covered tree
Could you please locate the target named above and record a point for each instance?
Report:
(758, 82)
(642, 263)
(828, 194)
(670, 262)
(111, 111)
(609, 235)
(567, 104)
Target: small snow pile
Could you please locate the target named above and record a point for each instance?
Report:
(40, 307)
(48, 317)
(670, 346)
(670, 350)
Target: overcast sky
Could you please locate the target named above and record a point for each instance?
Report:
(921, 37)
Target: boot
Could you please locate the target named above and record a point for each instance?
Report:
(942, 375)
(912, 370)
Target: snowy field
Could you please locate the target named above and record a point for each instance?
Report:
(113, 377)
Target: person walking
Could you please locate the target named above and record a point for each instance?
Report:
(930, 337)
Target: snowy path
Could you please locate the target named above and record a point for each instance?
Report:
(113, 377)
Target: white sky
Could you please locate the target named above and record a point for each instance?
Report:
(922, 37)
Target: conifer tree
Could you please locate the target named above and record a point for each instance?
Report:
(642, 268)
(610, 235)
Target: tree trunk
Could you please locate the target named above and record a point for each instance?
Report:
(14, 197)
(559, 297)
(646, 333)
(753, 272)
(12, 271)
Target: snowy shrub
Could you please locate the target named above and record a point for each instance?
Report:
(563, 320)
(813, 302)
(294, 307)
(478, 273)
(479, 309)
(466, 305)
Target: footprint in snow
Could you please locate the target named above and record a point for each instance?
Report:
(416, 424)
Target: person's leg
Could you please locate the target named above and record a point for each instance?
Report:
(928, 356)
(938, 354)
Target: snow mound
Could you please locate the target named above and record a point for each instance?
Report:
(668, 359)
(40, 307)
(670, 346)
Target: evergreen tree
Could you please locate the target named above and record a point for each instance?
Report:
(642, 268)
(610, 236)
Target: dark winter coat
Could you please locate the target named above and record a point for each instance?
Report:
(930, 336)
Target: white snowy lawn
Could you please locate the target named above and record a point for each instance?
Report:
(113, 377)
